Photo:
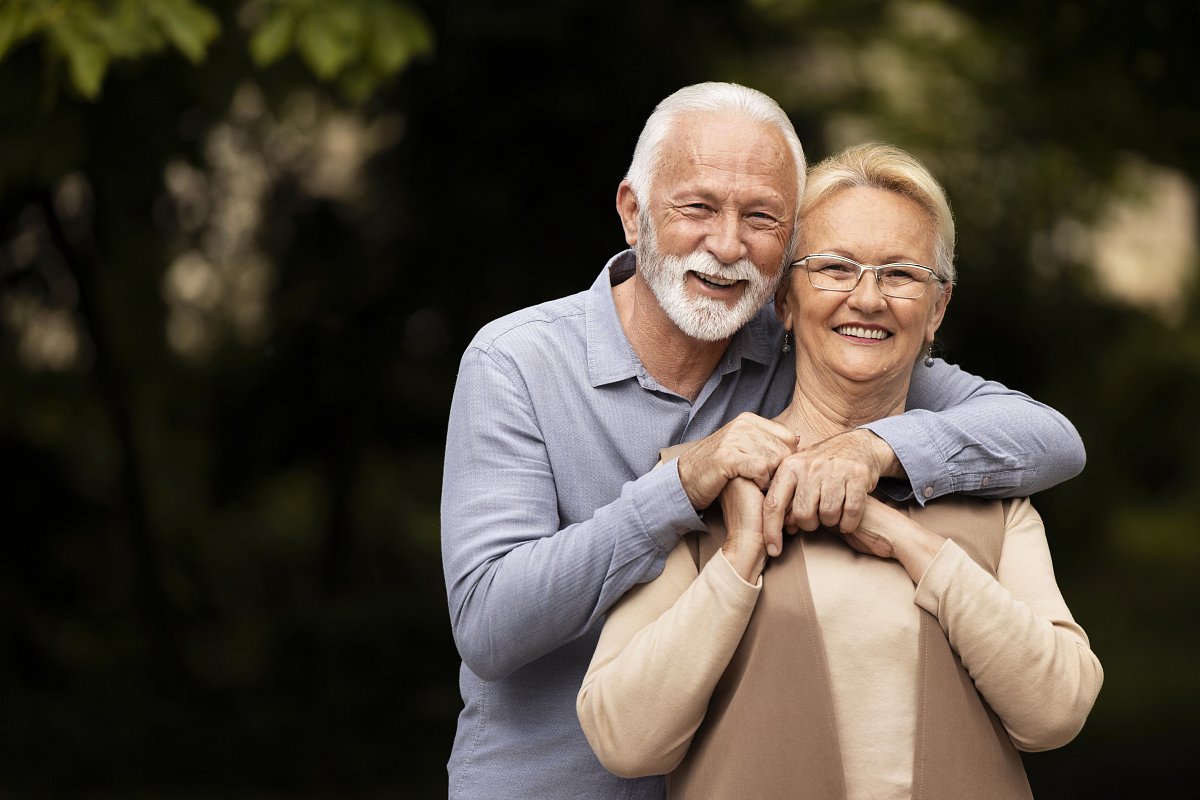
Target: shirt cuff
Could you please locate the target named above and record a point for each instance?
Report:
(664, 507)
(924, 464)
(728, 577)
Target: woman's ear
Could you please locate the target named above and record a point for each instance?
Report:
(938, 312)
(783, 308)
(627, 209)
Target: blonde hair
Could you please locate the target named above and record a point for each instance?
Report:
(883, 166)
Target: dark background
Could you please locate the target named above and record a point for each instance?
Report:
(233, 298)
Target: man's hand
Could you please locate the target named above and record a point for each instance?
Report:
(749, 446)
(827, 484)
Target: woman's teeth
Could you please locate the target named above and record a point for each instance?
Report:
(862, 333)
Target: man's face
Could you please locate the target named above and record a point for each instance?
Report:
(701, 315)
(713, 235)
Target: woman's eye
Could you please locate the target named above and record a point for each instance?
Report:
(897, 276)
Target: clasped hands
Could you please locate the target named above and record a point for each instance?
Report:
(827, 484)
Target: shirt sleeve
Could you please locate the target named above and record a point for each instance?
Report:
(663, 649)
(1015, 635)
(519, 584)
(963, 434)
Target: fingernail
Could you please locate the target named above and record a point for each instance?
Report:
(772, 550)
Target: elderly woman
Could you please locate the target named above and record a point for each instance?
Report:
(912, 658)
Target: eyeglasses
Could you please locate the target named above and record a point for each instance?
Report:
(840, 274)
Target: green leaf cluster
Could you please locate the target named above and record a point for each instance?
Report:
(358, 43)
(88, 35)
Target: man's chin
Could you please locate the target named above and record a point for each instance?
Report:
(708, 327)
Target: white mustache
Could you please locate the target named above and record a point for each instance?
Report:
(706, 263)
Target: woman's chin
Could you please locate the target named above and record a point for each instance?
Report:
(868, 370)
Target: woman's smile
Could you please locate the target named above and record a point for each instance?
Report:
(871, 332)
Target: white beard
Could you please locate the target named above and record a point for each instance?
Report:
(703, 318)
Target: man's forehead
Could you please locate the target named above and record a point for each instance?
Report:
(725, 142)
(711, 127)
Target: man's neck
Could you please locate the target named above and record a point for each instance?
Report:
(677, 361)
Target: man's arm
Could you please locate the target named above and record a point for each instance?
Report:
(962, 434)
(519, 584)
(966, 435)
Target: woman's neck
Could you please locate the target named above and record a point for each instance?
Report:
(825, 404)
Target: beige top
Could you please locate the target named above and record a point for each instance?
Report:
(666, 644)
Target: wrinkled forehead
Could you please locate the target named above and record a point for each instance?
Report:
(869, 224)
(730, 147)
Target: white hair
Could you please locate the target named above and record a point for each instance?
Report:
(710, 98)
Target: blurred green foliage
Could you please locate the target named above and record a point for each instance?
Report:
(88, 35)
(361, 43)
(234, 286)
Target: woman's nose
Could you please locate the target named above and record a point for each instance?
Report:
(866, 294)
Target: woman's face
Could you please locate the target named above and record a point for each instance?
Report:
(864, 335)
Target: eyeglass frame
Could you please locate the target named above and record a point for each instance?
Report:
(862, 269)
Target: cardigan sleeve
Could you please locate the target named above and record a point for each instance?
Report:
(1015, 635)
(663, 649)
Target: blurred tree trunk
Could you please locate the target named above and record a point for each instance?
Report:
(152, 606)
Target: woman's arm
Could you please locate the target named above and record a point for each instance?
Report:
(1016, 637)
(664, 646)
(1014, 633)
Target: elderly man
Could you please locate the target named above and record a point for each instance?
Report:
(551, 508)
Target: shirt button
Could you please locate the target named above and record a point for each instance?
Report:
(929, 491)
(987, 480)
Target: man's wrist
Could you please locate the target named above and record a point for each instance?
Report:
(884, 456)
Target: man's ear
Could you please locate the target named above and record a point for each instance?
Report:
(627, 209)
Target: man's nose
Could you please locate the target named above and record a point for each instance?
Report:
(724, 239)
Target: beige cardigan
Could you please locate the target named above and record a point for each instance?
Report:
(667, 644)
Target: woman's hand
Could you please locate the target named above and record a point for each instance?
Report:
(744, 548)
(887, 532)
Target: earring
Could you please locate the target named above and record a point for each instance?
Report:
(929, 356)
(787, 342)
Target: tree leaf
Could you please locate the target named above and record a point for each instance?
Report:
(10, 16)
(129, 31)
(87, 59)
(325, 46)
(274, 37)
(188, 25)
(420, 33)
(396, 35)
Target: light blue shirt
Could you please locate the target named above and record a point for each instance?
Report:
(551, 508)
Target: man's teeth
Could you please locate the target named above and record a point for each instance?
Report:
(714, 280)
(863, 333)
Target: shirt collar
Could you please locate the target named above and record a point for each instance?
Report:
(610, 356)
